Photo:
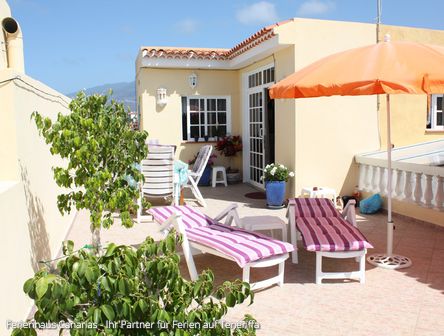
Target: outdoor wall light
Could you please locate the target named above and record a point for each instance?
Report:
(161, 96)
(192, 80)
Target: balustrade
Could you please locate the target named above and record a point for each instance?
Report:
(411, 182)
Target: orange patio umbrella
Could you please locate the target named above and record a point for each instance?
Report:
(386, 67)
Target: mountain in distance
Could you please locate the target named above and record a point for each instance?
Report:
(124, 92)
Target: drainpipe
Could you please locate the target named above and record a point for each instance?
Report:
(14, 44)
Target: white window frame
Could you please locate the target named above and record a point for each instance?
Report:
(433, 112)
(228, 105)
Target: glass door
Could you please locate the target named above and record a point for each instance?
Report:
(256, 136)
(258, 108)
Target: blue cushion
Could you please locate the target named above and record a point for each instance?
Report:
(371, 205)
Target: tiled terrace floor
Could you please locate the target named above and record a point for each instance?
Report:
(404, 302)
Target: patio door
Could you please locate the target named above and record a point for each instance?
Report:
(256, 136)
(257, 120)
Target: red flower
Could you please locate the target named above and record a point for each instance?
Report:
(229, 145)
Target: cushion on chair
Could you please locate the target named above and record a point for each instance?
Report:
(241, 245)
(314, 207)
(330, 234)
(191, 217)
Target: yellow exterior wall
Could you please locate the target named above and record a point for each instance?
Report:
(165, 123)
(329, 131)
(31, 225)
(285, 118)
(408, 112)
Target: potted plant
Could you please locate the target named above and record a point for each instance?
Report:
(275, 177)
(205, 179)
(229, 146)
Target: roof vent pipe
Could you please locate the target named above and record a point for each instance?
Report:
(14, 44)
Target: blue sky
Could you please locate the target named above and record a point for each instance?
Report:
(71, 45)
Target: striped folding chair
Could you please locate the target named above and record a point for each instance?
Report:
(208, 235)
(158, 171)
(328, 233)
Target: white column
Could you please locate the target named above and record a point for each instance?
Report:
(383, 180)
(408, 187)
(399, 189)
(439, 198)
(418, 188)
(368, 177)
(375, 182)
(362, 176)
(428, 192)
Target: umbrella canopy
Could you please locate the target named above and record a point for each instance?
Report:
(386, 67)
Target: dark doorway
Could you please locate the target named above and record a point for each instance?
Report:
(269, 128)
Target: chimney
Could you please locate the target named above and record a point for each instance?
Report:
(5, 11)
(14, 44)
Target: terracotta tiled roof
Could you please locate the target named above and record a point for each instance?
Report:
(214, 54)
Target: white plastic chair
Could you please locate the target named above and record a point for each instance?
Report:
(158, 170)
(195, 173)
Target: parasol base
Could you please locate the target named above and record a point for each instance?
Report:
(393, 261)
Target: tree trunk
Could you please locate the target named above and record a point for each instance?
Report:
(95, 239)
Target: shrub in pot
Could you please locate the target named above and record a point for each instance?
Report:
(275, 178)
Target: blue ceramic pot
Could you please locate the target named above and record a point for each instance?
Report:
(275, 192)
(205, 179)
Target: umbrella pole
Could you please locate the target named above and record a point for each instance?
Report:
(389, 260)
(389, 182)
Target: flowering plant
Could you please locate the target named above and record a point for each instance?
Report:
(229, 145)
(276, 172)
(209, 163)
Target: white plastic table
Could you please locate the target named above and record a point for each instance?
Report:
(321, 192)
(254, 223)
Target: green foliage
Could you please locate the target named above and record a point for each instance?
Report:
(276, 172)
(101, 150)
(103, 295)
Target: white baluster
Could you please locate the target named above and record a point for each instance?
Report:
(408, 187)
(383, 180)
(399, 187)
(428, 192)
(362, 177)
(439, 198)
(375, 179)
(368, 178)
(418, 188)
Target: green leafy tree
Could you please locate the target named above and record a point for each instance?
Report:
(129, 291)
(101, 152)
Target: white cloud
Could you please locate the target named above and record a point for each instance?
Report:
(259, 12)
(187, 26)
(315, 7)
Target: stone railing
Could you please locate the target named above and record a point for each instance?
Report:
(411, 182)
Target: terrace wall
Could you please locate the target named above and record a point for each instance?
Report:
(32, 228)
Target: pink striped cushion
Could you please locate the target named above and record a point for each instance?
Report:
(191, 217)
(314, 207)
(330, 234)
(241, 245)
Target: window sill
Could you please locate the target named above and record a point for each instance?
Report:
(199, 142)
(434, 131)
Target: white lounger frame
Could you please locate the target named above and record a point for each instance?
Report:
(190, 248)
(348, 214)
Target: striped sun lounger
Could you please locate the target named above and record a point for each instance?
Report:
(208, 235)
(325, 231)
